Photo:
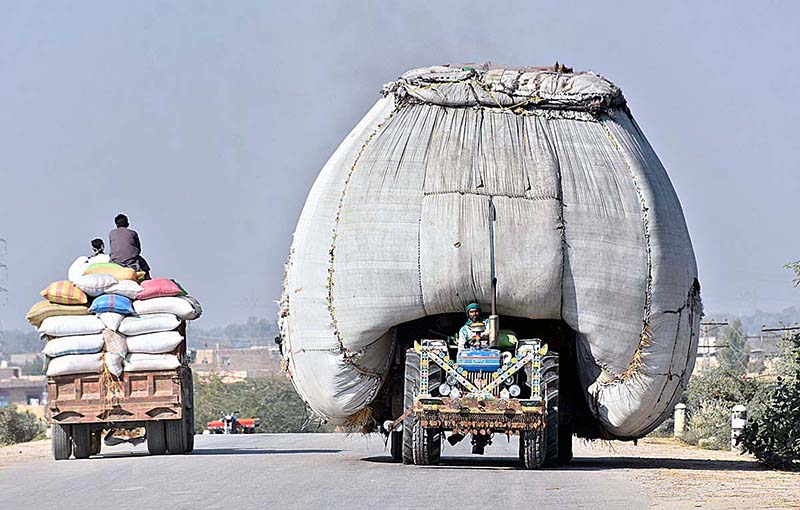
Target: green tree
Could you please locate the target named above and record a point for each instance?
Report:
(17, 427)
(271, 399)
(35, 367)
(734, 353)
(773, 436)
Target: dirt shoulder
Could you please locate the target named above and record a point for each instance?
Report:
(23, 452)
(679, 476)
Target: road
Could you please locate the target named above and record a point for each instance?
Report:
(338, 471)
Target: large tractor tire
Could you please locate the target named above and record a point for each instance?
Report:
(81, 441)
(541, 448)
(550, 386)
(61, 441)
(532, 449)
(421, 446)
(156, 437)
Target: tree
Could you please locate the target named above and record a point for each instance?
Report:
(17, 427)
(734, 354)
(773, 437)
(271, 399)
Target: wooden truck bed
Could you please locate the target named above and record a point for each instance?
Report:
(137, 397)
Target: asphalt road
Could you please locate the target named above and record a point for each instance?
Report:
(330, 471)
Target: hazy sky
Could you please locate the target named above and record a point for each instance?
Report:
(207, 122)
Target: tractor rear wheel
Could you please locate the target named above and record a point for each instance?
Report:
(550, 393)
(421, 446)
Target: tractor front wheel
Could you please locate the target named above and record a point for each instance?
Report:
(421, 446)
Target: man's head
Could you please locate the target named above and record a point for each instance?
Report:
(121, 221)
(473, 311)
(98, 245)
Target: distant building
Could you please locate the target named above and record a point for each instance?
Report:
(763, 350)
(18, 389)
(257, 361)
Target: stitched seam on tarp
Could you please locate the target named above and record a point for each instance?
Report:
(533, 198)
(349, 357)
(636, 364)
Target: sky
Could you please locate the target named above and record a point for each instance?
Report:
(207, 122)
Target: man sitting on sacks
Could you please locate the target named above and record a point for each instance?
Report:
(473, 333)
(126, 249)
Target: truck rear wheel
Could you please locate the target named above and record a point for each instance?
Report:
(97, 441)
(81, 441)
(61, 441)
(188, 411)
(176, 436)
(396, 445)
(421, 446)
(156, 437)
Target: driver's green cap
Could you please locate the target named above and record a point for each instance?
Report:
(473, 306)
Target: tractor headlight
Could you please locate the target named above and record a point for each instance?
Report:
(514, 390)
(455, 393)
(444, 389)
(451, 380)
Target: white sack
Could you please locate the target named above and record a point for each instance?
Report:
(139, 362)
(144, 324)
(75, 364)
(94, 284)
(111, 320)
(71, 325)
(114, 363)
(155, 343)
(127, 288)
(589, 231)
(83, 344)
(177, 306)
(80, 264)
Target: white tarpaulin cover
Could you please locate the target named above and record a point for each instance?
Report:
(589, 231)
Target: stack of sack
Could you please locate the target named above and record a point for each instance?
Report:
(103, 318)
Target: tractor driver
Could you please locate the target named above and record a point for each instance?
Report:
(474, 331)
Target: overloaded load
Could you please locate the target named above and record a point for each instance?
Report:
(589, 231)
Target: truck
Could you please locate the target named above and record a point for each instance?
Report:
(82, 406)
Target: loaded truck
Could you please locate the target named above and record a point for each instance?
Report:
(81, 407)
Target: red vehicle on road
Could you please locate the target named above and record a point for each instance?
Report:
(230, 424)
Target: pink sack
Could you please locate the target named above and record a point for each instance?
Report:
(158, 287)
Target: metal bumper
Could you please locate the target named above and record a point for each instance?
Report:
(471, 415)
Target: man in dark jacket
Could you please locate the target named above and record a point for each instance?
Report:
(126, 249)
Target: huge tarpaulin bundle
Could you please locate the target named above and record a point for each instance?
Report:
(589, 231)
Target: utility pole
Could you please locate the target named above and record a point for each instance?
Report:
(705, 328)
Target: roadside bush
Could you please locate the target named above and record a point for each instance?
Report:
(710, 398)
(773, 436)
(17, 427)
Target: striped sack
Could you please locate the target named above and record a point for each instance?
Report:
(64, 293)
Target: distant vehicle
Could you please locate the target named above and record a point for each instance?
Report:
(230, 424)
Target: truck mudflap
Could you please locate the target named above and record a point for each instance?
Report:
(471, 415)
